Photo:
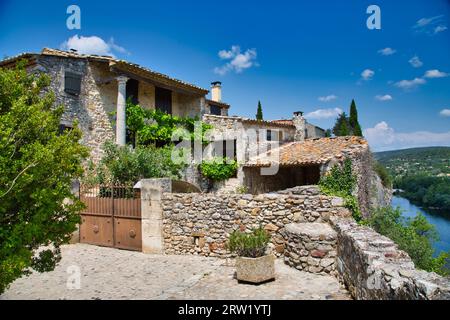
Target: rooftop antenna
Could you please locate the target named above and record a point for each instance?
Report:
(73, 50)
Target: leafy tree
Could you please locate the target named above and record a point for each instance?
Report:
(341, 127)
(259, 113)
(328, 133)
(353, 120)
(37, 165)
(415, 236)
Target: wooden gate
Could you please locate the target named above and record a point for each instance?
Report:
(112, 217)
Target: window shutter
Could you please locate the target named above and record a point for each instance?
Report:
(72, 83)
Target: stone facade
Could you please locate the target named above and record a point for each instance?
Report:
(201, 223)
(372, 267)
(310, 247)
(94, 106)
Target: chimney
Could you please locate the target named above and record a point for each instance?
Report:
(216, 91)
(300, 126)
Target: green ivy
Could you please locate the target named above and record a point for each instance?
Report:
(341, 182)
(218, 169)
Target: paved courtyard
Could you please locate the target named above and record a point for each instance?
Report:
(107, 273)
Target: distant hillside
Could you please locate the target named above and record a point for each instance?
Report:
(432, 161)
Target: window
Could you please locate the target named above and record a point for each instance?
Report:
(72, 83)
(273, 135)
(163, 100)
(216, 110)
(132, 91)
(225, 148)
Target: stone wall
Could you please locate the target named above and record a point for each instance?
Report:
(310, 247)
(90, 107)
(372, 267)
(201, 223)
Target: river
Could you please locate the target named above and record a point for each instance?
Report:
(440, 219)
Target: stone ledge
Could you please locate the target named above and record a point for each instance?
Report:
(372, 267)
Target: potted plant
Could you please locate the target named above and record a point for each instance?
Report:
(253, 264)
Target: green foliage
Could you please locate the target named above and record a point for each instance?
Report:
(251, 245)
(124, 165)
(431, 161)
(348, 125)
(422, 173)
(415, 236)
(427, 191)
(259, 113)
(353, 120)
(219, 169)
(341, 127)
(150, 127)
(37, 166)
(341, 182)
(384, 175)
(328, 133)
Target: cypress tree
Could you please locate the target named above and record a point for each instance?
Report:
(259, 113)
(355, 128)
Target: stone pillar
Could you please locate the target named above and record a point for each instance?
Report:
(121, 126)
(300, 126)
(151, 213)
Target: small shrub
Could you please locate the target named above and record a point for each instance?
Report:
(124, 165)
(242, 189)
(341, 182)
(415, 236)
(251, 245)
(219, 169)
(384, 175)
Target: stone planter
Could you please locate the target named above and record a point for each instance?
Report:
(255, 270)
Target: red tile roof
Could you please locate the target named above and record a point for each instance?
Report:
(312, 151)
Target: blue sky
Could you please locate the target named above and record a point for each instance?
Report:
(313, 56)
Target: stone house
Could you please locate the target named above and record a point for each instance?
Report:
(94, 90)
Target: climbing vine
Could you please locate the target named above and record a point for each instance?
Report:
(341, 182)
(218, 169)
(155, 127)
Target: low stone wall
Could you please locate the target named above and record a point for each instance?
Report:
(372, 267)
(198, 223)
(310, 247)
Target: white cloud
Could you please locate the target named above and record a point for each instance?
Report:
(387, 51)
(445, 112)
(383, 137)
(329, 98)
(367, 74)
(435, 74)
(238, 61)
(385, 97)
(324, 113)
(440, 29)
(410, 84)
(430, 26)
(415, 62)
(93, 45)
(427, 21)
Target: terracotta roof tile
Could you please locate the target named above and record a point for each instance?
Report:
(313, 151)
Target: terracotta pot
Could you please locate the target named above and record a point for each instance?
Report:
(255, 270)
